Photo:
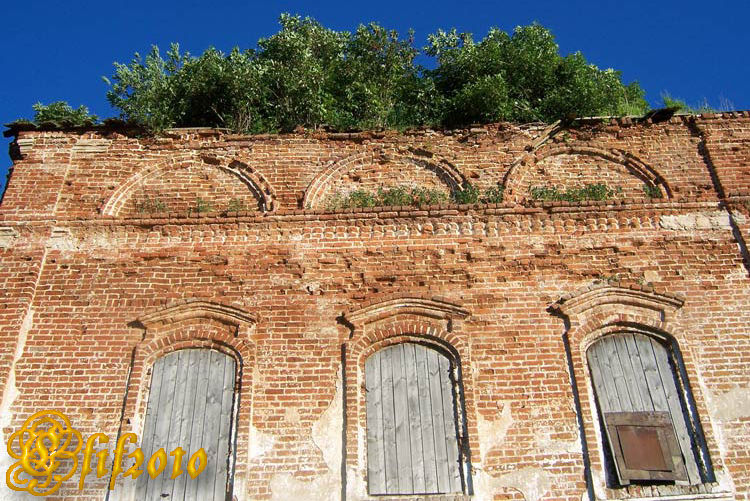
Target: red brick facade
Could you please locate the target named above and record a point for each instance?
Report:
(116, 249)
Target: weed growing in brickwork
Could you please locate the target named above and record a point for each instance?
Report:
(588, 192)
(236, 205)
(386, 197)
(469, 194)
(361, 198)
(414, 197)
(493, 195)
(150, 205)
(652, 191)
(395, 196)
(201, 205)
(702, 107)
(61, 114)
(612, 278)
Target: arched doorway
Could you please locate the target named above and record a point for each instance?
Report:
(413, 403)
(191, 405)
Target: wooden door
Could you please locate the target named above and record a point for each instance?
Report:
(190, 405)
(636, 373)
(412, 425)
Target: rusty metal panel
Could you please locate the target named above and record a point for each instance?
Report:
(641, 448)
(645, 446)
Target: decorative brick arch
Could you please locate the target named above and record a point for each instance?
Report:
(514, 177)
(317, 190)
(194, 324)
(603, 309)
(583, 306)
(407, 319)
(256, 183)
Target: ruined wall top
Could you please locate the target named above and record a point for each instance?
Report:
(108, 173)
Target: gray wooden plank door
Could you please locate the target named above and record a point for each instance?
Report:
(412, 433)
(634, 373)
(190, 405)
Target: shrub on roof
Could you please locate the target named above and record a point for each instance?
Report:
(311, 76)
(61, 114)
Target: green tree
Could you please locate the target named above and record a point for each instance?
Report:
(298, 68)
(220, 90)
(144, 90)
(522, 77)
(214, 90)
(308, 75)
(377, 83)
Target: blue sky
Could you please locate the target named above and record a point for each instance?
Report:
(60, 50)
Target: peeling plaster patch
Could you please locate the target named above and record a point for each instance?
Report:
(322, 330)
(546, 443)
(11, 392)
(9, 396)
(356, 487)
(260, 443)
(258, 380)
(326, 432)
(732, 405)
(7, 236)
(239, 488)
(600, 484)
(291, 414)
(328, 332)
(492, 433)
(532, 482)
(321, 488)
(725, 481)
(715, 220)
(62, 240)
(651, 276)
(326, 435)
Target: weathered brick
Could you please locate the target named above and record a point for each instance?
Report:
(301, 297)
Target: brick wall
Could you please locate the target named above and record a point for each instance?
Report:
(95, 289)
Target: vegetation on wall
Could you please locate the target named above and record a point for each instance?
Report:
(61, 114)
(385, 197)
(414, 197)
(150, 205)
(310, 76)
(703, 107)
(522, 77)
(652, 191)
(597, 191)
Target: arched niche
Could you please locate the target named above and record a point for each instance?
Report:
(378, 169)
(568, 167)
(210, 185)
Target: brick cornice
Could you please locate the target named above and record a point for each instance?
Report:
(437, 308)
(193, 308)
(596, 295)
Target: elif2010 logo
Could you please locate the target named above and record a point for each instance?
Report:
(47, 450)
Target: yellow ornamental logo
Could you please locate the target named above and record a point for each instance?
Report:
(42, 446)
(46, 451)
